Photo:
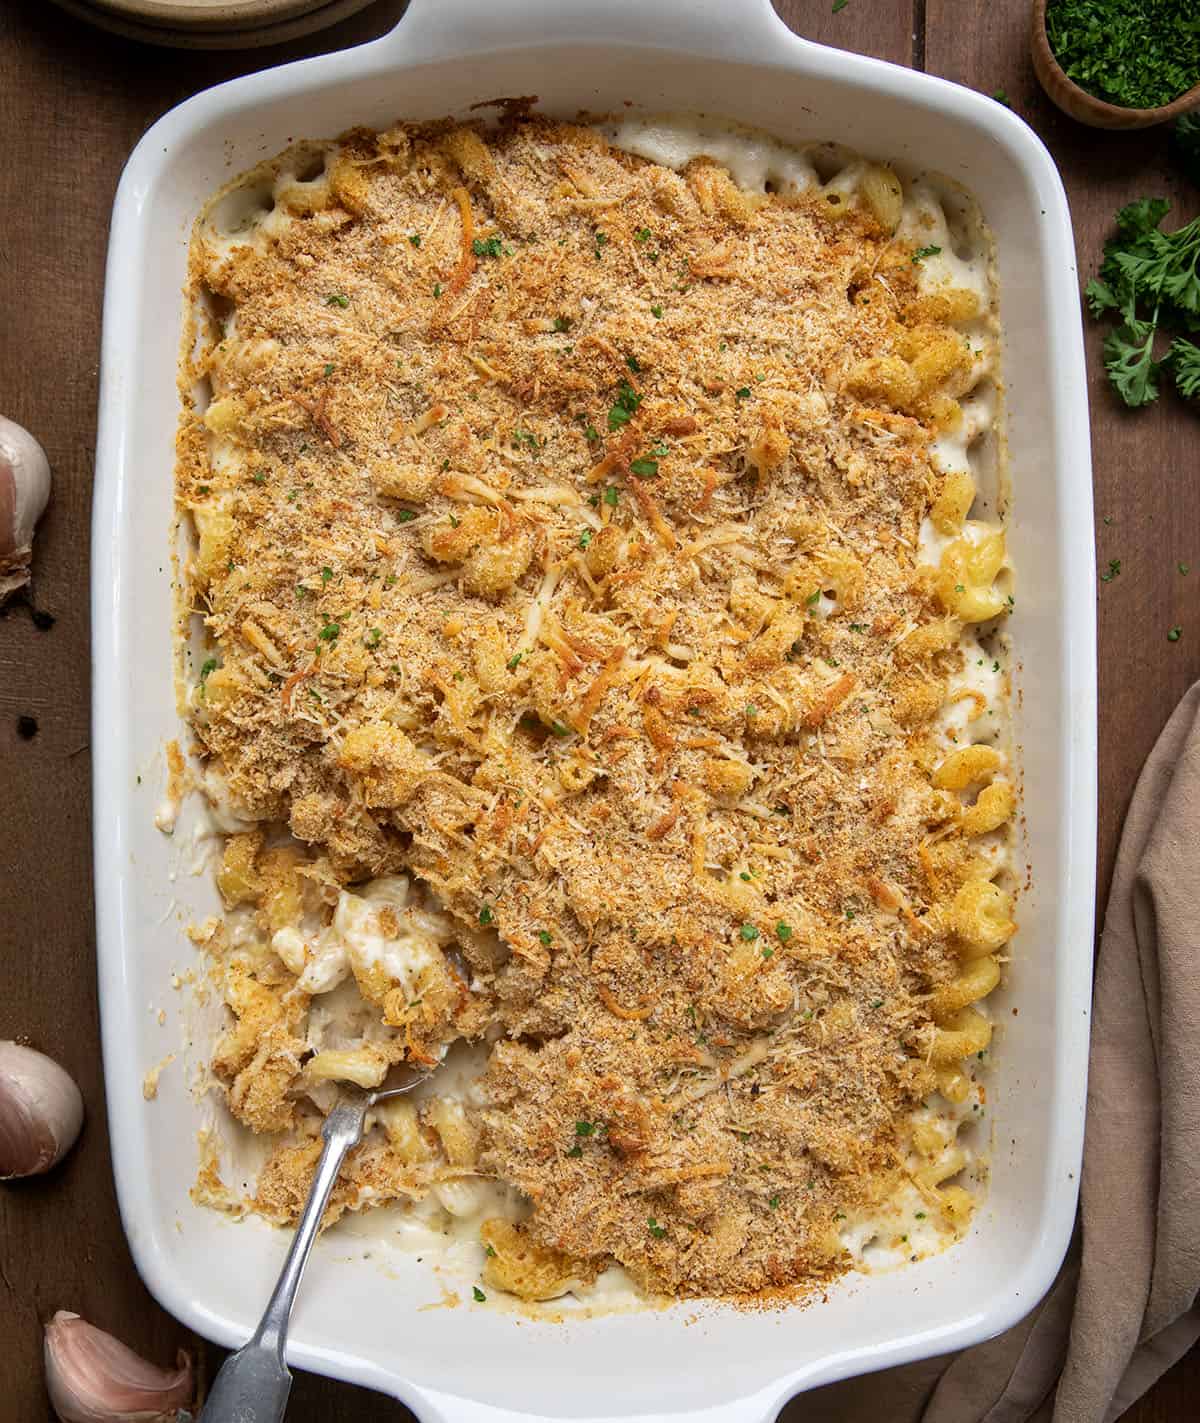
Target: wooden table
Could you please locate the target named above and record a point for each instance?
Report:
(72, 104)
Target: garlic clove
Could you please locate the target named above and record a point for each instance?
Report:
(24, 492)
(41, 1111)
(93, 1378)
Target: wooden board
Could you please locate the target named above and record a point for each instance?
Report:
(72, 104)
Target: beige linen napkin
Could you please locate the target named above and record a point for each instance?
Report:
(1123, 1308)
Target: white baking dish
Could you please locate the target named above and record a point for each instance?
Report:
(360, 1318)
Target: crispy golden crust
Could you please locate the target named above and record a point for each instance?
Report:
(559, 546)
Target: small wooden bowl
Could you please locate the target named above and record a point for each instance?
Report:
(211, 24)
(1078, 104)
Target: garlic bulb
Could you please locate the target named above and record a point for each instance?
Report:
(93, 1378)
(24, 490)
(41, 1111)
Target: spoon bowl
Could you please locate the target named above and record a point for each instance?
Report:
(253, 1384)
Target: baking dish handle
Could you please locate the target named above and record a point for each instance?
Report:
(432, 1407)
(745, 29)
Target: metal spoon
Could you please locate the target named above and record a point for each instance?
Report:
(253, 1384)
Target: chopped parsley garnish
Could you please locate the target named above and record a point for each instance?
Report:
(207, 669)
(774, 1203)
(486, 247)
(625, 406)
(437, 289)
(644, 468)
(920, 1215)
(489, 1251)
(751, 709)
(563, 323)
(202, 489)
(478, 1295)
(560, 729)
(415, 238)
(1175, 634)
(783, 931)
(591, 434)
(406, 516)
(1001, 97)
(1114, 567)
(813, 598)
(1184, 568)
(768, 953)
(742, 392)
(259, 477)
(600, 240)
(877, 1003)
(839, 5)
(485, 915)
(514, 662)
(922, 252)
(749, 932)
(656, 1230)
(643, 234)
(585, 538)
(328, 372)
(1139, 54)
(746, 875)
(576, 1150)
(337, 299)
(634, 365)
(326, 574)
(372, 638)
(545, 938)
(329, 633)
(656, 312)
(612, 496)
(858, 627)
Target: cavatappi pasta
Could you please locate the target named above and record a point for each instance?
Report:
(599, 559)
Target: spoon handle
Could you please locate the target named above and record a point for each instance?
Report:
(253, 1384)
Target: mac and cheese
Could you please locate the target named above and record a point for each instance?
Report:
(600, 561)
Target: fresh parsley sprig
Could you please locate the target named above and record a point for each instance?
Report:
(1149, 280)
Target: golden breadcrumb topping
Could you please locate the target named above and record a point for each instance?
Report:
(557, 520)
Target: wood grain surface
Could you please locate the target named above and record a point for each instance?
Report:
(72, 104)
